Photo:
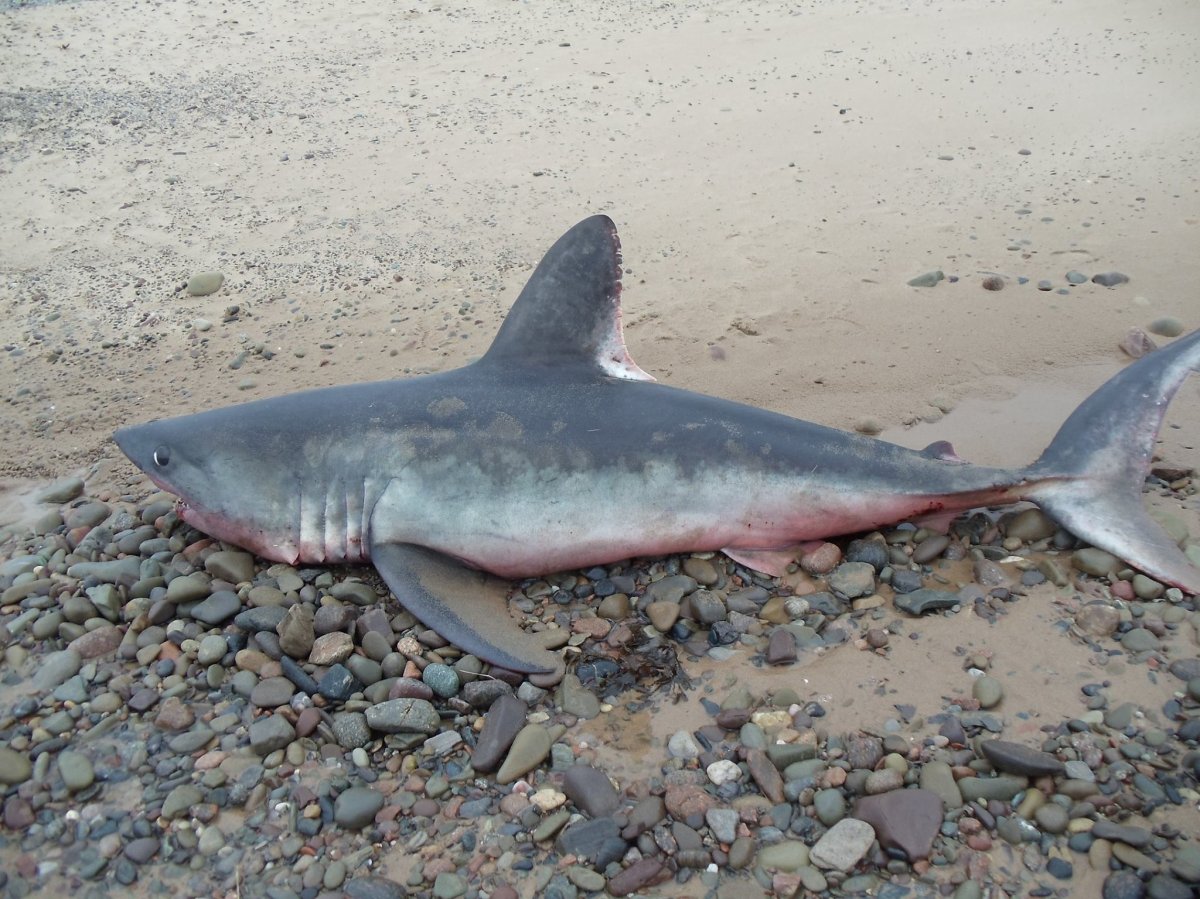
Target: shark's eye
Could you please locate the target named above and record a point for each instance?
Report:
(162, 456)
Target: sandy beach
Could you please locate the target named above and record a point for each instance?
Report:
(375, 182)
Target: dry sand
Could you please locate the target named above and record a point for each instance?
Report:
(376, 181)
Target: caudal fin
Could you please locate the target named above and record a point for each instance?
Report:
(1090, 477)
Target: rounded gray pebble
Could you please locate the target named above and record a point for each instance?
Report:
(356, 807)
(442, 679)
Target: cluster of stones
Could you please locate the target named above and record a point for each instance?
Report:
(206, 681)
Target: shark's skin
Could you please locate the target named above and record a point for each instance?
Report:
(555, 451)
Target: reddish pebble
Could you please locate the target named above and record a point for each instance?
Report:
(425, 808)
(821, 560)
(307, 722)
(1123, 590)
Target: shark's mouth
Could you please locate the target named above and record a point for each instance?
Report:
(247, 536)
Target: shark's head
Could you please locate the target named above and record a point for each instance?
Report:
(226, 489)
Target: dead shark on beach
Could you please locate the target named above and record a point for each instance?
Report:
(554, 451)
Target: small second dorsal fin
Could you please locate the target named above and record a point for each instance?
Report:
(569, 312)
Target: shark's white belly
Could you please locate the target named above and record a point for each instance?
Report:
(538, 521)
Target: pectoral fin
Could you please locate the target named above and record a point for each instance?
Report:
(467, 607)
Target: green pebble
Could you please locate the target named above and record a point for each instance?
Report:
(988, 691)
(202, 284)
(1167, 326)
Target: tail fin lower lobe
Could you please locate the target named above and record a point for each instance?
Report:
(1090, 477)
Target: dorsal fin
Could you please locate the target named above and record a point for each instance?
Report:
(570, 310)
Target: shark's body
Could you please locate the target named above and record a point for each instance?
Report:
(555, 451)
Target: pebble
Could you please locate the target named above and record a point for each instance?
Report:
(233, 566)
(295, 630)
(270, 733)
(442, 679)
(356, 807)
(1003, 787)
(920, 602)
(15, 768)
(597, 840)
(1166, 327)
(1098, 618)
(1095, 562)
(930, 548)
(681, 745)
(988, 691)
(723, 823)
(187, 588)
(843, 845)
(591, 790)
(1122, 885)
(501, 725)
(853, 579)
(55, 668)
(663, 615)
(781, 647)
(202, 284)
(642, 873)
(529, 749)
(76, 770)
(1018, 759)
(404, 716)
(1110, 279)
(908, 820)
(1137, 343)
(1139, 639)
(181, 799)
(217, 608)
(577, 700)
(788, 855)
(830, 806)
(929, 279)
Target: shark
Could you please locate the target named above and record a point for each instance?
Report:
(554, 451)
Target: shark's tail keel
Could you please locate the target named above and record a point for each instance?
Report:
(1090, 478)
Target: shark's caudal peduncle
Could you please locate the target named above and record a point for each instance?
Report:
(556, 451)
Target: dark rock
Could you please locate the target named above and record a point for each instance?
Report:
(1137, 837)
(864, 752)
(260, 618)
(501, 725)
(1110, 279)
(481, 694)
(1123, 885)
(338, 684)
(781, 647)
(642, 873)
(873, 552)
(591, 790)
(217, 608)
(298, 676)
(141, 850)
(598, 840)
(1163, 886)
(1017, 759)
(925, 600)
(903, 819)
(1060, 868)
(355, 808)
(765, 774)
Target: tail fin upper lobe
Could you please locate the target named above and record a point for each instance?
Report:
(1090, 477)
